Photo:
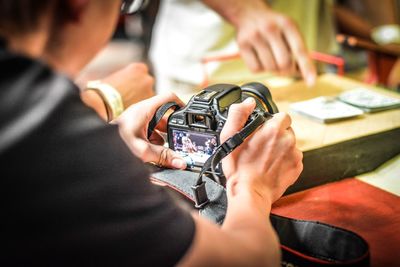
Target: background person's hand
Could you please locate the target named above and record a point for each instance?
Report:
(267, 161)
(270, 41)
(133, 124)
(133, 82)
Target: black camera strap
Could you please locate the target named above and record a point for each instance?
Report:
(159, 115)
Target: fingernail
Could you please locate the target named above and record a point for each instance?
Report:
(178, 163)
(249, 100)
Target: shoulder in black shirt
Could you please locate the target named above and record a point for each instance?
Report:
(71, 191)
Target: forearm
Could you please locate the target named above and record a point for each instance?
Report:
(247, 219)
(94, 101)
(245, 239)
(234, 10)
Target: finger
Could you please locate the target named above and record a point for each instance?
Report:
(250, 58)
(264, 54)
(299, 51)
(307, 68)
(137, 67)
(150, 105)
(295, 169)
(159, 155)
(167, 157)
(280, 121)
(237, 117)
(279, 48)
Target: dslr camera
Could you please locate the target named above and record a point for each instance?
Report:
(194, 130)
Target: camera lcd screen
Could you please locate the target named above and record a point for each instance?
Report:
(196, 148)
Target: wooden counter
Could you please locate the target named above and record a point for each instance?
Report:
(312, 134)
(341, 149)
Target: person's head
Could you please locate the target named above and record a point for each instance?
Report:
(67, 33)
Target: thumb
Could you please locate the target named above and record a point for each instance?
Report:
(237, 117)
(160, 155)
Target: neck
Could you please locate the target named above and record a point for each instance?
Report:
(31, 45)
(62, 62)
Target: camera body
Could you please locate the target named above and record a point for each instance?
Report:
(194, 130)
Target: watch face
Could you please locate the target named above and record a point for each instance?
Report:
(131, 6)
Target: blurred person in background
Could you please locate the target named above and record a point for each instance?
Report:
(360, 18)
(270, 36)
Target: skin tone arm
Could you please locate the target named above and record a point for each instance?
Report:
(246, 238)
(133, 82)
(267, 40)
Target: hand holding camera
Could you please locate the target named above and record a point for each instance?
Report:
(267, 161)
(133, 125)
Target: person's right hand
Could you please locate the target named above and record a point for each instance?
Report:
(267, 161)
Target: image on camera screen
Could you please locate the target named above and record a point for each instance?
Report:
(196, 148)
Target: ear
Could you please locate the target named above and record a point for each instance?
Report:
(75, 9)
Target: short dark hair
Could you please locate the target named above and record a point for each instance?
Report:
(22, 16)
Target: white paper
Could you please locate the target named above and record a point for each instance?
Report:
(325, 109)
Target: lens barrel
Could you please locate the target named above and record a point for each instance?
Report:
(261, 94)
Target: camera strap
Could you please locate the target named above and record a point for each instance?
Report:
(159, 115)
(303, 243)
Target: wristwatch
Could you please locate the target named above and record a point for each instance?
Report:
(111, 97)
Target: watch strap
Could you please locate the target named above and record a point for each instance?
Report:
(111, 97)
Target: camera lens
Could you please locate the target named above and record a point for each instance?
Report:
(261, 94)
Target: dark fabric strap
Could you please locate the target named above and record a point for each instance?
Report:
(159, 115)
(303, 243)
(182, 182)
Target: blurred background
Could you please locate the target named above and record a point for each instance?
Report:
(358, 39)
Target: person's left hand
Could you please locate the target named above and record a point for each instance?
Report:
(133, 82)
(133, 124)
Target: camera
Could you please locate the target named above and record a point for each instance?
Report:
(194, 130)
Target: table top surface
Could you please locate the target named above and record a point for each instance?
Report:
(312, 134)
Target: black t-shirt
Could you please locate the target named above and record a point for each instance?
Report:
(71, 191)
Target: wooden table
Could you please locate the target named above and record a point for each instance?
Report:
(341, 149)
